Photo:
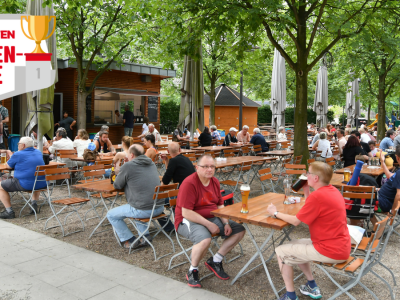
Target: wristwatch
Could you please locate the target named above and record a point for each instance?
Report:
(275, 213)
(227, 223)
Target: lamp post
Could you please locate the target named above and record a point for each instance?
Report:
(241, 100)
(343, 117)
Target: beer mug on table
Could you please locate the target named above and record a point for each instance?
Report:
(346, 174)
(3, 158)
(245, 191)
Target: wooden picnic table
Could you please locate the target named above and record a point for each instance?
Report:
(233, 161)
(100, 186)
(279, 152)
(207, 148)
(98, 158)
(4, 167)
(365, 170)
(259, 216)
(182, 151)
(337, 180)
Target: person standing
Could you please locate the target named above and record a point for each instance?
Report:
(118, 117)
(129, 121)
(67, 123)
(4, 119)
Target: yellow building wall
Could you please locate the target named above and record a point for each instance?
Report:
(228, 116)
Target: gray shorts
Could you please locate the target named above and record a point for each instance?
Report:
(12, 185)
(196, 232)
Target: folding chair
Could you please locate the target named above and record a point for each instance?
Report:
(172, 202)
(245, 150)
(193, 144)
(297, 159)
(331, 161)
(39, 172)
(230, 153)
(191, 156)
(356, 267)
(161, 192)
(244, 171)
(356, 194)
(265, 175)
(74, 204)
(309, 161)
(220, 142)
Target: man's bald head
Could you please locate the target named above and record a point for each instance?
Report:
(136, 150)
(173, 148)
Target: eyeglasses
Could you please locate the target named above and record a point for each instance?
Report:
(308, 173)
(207, 167)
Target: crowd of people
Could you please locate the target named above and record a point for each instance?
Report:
(200, 193)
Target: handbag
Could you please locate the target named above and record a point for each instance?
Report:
(89, 155)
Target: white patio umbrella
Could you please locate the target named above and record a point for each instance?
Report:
(352, 108)
(278, 90)
(192, 86)
(321, 96)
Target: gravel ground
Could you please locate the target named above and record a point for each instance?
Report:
(254, 285)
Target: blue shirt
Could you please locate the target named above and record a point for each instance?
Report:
(259, 139)
(386, 143)
(24, 163)
(128, 117)
(389, 189)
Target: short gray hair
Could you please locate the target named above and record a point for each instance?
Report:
(27, 141)
(151, 124)
(213, 127)
(257, 130)
(246, 127)
(104, 128)
(322, 135)
(281, 128)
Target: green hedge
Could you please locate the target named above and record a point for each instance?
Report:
(169, 116)
(265, 115)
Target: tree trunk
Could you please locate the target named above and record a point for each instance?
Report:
(212, 102)
(300, 119)
(381, 102)
(369, 113)
(81, 119)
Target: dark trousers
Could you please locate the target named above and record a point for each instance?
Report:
(162, 222)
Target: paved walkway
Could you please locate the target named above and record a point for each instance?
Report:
(34, 266)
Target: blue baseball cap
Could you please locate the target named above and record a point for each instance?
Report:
(91, 147)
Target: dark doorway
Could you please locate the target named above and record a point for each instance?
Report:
(57, 107)
(16, 115)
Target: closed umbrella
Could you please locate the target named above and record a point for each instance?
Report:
(192, 87)
(352, 108)
(321, 96)
(278, 90)
(40, 103)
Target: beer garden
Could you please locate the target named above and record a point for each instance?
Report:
(233, 42)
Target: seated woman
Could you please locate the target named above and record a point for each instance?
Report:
(149, 142)
(205, 138)
(81, 142)
(323, 145)
(281, 135)
(351, 150)
(120, 156)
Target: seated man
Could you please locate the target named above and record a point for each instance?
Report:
(389, 193)
(103, 144)
(198, 196)
(325, 214)
(178, 167)
(24, 163)
(152, 130)
(103, 128)
(230, 138)
(138, 178)
(61, 143)
(259, 139)
(35, 139)
(244, 135)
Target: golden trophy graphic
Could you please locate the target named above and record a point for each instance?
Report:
(38, 27)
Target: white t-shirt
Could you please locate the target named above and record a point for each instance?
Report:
(63, 144)
(365, 138)
(81, 145)
(145, 128)
(324, 146)
(281, 137)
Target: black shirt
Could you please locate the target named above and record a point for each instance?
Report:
(129, 119)
(259, 139)
(66, 123)
(178, 169)
(349, 155)
(205, 139)
(365, 146)
(229, 139)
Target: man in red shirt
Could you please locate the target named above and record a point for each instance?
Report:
(325, 214)
(198, 196)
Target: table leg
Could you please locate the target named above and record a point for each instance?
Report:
(259, 254)
(105, 217)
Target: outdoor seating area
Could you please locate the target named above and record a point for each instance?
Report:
(81, 194)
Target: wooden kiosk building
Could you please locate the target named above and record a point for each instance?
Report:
(130, 84)
(227, 109)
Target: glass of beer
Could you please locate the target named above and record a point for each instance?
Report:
(245, 191)
(346, 174)
(299, 183)
(3, 158)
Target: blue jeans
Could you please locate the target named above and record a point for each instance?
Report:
(117, 215)
(128, 131)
